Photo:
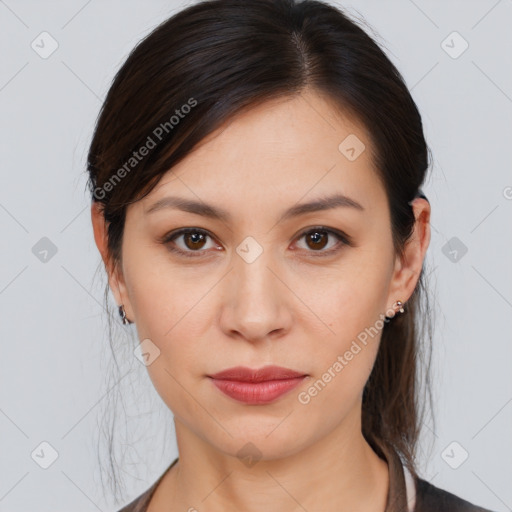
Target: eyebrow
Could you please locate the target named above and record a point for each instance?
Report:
(215, 212)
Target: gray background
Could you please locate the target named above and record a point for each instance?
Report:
(55, 355)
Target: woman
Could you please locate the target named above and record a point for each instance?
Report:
(256, 175)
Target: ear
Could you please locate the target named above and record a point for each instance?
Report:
(408, 268)
(115, 275)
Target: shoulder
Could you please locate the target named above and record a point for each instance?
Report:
(141, 503)
(431, 498)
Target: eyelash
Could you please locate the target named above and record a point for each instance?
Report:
(343, 238)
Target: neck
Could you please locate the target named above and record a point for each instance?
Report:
(339, 472)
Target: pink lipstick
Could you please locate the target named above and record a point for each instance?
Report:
(256, 387)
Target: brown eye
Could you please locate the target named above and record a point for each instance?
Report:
(317, 239)
(193, 242)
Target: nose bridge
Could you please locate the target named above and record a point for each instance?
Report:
(252, 271)
(256, 305)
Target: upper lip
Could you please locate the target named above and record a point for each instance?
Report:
(245, 374)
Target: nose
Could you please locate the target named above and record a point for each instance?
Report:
(257, 303)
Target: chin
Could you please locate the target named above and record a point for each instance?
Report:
(268, 440)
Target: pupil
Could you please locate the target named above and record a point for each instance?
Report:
(316, 237)
(196, 237)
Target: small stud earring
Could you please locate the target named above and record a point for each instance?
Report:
(399, 304)
(122, 314)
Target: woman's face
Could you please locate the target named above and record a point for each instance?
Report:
(259, 287)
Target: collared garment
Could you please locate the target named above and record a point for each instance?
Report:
(405, 494)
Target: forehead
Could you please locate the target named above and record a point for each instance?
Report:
(276, 153)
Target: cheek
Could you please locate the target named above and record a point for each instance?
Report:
(173, 316)
(348, 300)
(153, 304)
(158, 296)
(351, 303)
(344, 363)
(172, 312)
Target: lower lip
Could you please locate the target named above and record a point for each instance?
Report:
(255, 393)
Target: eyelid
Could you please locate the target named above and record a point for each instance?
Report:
(167, 239)
(343, 238)
(347, 239)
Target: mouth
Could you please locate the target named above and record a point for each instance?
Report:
(258, 386)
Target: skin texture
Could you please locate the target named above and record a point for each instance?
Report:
(289, 307)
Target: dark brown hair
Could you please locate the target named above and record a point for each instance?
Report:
(216, 58)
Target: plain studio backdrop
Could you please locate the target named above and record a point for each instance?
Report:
(58, 59)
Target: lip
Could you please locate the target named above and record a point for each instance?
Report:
(258, 386)
(245, 374)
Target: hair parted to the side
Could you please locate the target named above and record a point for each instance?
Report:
(215, 59)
